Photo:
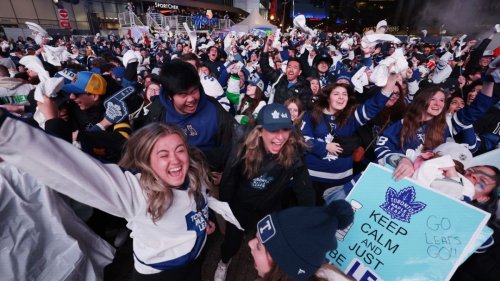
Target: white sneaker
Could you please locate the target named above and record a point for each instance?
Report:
(221, 271)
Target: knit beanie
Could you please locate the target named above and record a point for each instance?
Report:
(343, 74)
(298, 238)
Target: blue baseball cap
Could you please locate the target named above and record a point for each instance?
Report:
(256, 81)
(119, 72)
(274, 117)
(86, 82)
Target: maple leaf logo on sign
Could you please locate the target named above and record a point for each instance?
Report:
(402, 205)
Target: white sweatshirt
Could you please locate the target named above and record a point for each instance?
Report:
(176, 239)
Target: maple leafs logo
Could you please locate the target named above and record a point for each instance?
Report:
(402, 205)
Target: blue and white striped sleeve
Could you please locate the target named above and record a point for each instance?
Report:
(468, 136)
(464, 118)
(370, 108)
(388, 143)
(486, 245)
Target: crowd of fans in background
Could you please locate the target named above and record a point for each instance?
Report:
(281, 120)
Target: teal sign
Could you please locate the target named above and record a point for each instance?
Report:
(402, 231)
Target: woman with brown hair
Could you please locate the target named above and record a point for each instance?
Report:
(330, 129)
(315, 86)
(424, 128)
(256, 178)
(294, 105)
(251, 102)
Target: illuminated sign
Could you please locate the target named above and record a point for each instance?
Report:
(311, 16)
(166, 6)
(390, 29)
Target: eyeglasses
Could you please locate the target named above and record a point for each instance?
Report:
(484, 179)
(396, 94)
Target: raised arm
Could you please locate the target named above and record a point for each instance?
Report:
(68, 170)
(267, 70)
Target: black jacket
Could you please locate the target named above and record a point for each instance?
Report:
(301, 89)
(104, 145)
(311, 71)
(265, 193)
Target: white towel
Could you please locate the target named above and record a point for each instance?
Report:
(360, 79)
(223, 209)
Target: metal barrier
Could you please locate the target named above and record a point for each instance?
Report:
(127, 19)
(174, 23)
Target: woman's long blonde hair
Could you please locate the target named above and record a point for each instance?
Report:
(253, 151)
(137, 157)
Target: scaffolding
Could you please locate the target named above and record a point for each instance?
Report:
(163, 23)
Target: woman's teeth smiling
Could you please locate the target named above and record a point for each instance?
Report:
(175, 171)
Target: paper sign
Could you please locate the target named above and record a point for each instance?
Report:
(402, 231)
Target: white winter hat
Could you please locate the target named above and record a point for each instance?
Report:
(446, 57)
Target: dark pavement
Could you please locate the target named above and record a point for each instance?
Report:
(241, 268)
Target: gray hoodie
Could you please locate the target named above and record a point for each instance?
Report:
(14, 91)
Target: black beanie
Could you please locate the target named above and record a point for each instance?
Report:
(298, 238)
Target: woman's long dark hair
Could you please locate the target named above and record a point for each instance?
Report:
(253, 102)
(323, 103)
(397, 111)
(413, 120)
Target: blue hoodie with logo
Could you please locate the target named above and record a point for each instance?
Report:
(200, 127)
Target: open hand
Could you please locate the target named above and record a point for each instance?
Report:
(404, 169)
(334, 148)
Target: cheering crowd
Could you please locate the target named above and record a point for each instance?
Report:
(152, 132)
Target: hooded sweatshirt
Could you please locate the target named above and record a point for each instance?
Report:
(14, 91)
(200, 126)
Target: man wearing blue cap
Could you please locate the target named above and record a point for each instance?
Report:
(88, 126)
(261, 173)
